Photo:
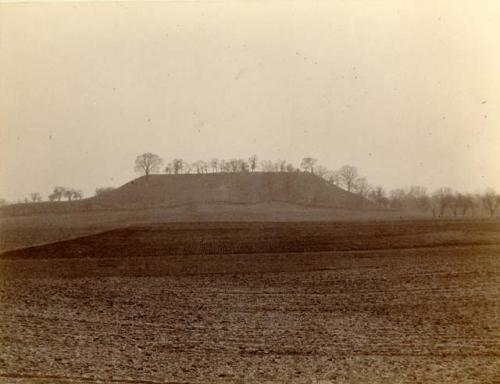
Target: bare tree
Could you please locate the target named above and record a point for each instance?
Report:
(198, 166)
(252, 163)
(379, 197)
(417, 198)
(236, 165)
(35, 197)
(434, 204)
(214, 164)
(204, 166)
(77, 194)
(443, 198)
(57, 194)
(224, 166)
(397, 198)
(188, 167)
(233, 165)
(491, 201)
(322, 171)
(3, 202)
(69, 194)
(413, 198)
(333, 177)
(177, 165)
(477, 202)
(465, 202)
(308, 163)
(148, 163)
(348, 176)
(423, 203)
(454, 203)
(243, 166)
(267, 166)
(290, 168)
(280, 165)
(361, 187)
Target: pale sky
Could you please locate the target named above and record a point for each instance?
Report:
(407, 91)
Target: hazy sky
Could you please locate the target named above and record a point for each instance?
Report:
(407, 91)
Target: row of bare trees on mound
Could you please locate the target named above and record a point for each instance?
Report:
(442, 202)
(69, 194)
(149, 163)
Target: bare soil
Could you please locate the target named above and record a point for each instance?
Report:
(22, 231)
(367, 302)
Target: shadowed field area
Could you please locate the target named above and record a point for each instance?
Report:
(24, 231)
(367, 302)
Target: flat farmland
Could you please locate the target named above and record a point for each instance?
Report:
(352, 302)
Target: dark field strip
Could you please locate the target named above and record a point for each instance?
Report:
(234, 264)
(249, 238)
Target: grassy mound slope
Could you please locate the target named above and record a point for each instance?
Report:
(229, 188)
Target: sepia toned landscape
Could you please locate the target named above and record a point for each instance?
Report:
(178, 300)
(237, 192)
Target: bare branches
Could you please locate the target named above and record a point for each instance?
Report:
(35, 197)
(308, 163)
(252, 163)
(491, 201)
(68, 193)
(148, 163)
(348, 175)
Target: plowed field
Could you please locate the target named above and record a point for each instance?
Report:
(378, 302)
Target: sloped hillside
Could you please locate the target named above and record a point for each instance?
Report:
(236, 188)
(231, 188)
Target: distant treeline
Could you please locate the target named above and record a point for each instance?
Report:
(441, 202)
(58, 194)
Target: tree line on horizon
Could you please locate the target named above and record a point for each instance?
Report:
(58, 194)
(414, 198)
(441, 202)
